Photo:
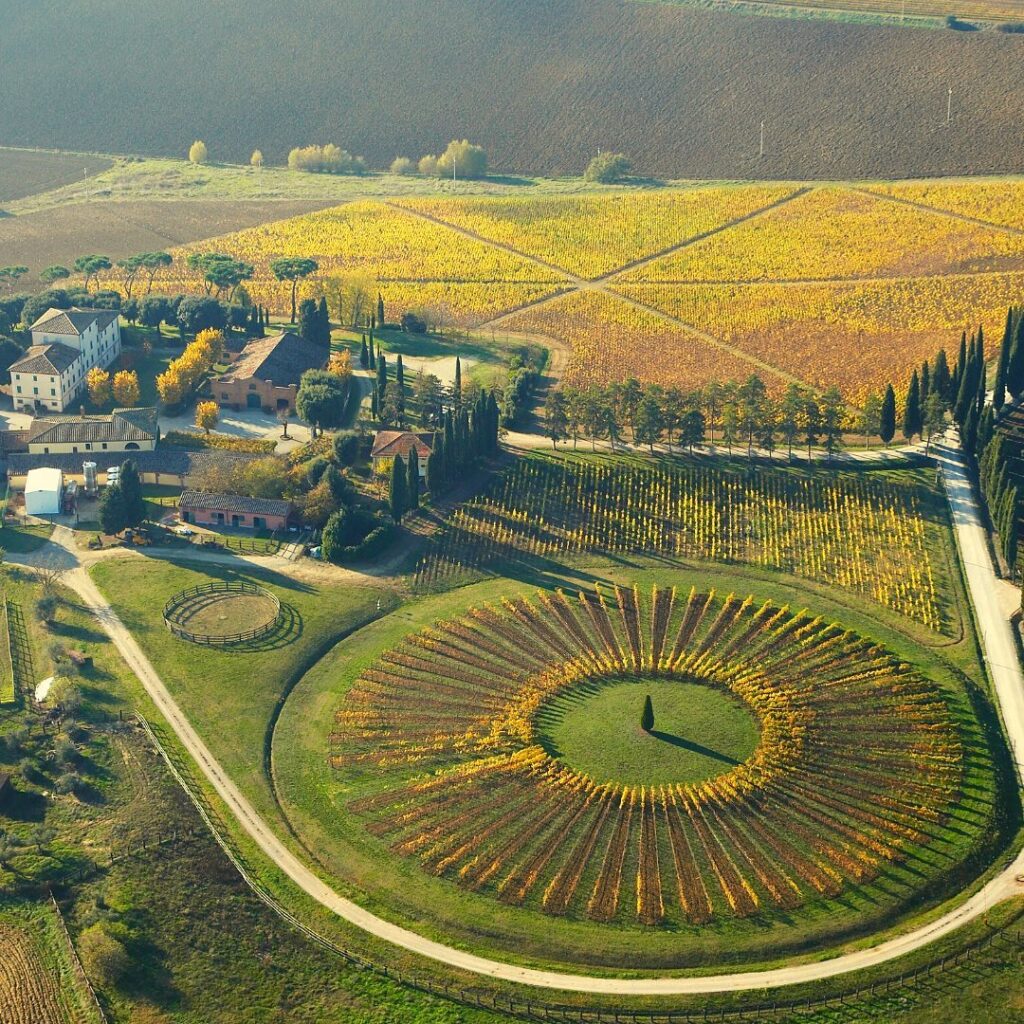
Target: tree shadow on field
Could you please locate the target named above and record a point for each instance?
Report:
(694, 748)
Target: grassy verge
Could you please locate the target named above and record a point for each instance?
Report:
(232, 695)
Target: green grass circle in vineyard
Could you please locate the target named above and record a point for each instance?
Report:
(791, 757)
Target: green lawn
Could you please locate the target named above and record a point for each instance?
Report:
(698, 733)
(23, 540)
(232, 695)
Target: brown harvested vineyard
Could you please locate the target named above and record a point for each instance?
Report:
(119, 229)
(26, 172)
(29, 992)
(541, 85)
(858, 764)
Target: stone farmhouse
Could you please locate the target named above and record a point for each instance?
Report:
(267, 374)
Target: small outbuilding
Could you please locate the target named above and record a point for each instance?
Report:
(205, 508)
(392, 444)
(44, 489)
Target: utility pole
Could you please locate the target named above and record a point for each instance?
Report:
(761, 148)
(949, 106)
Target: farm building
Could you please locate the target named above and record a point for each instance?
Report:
(44, 489)
(66, 345)
(174, 466)
(390, 444)
(123, 430)
(207, 509)
(268, 372)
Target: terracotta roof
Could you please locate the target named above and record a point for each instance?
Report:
(120, 425)
(389, 444)
(207, 501)
(74, 321)
(282, 359)
(52, 359)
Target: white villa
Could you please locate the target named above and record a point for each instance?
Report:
(66, 345)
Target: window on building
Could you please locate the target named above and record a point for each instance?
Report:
(19, 389)
(46, 451)
(104, 445)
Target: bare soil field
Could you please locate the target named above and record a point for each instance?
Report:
(542, 86)
(24, 172)
(118, 229)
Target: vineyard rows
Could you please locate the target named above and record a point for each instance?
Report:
(830, 285)
(837, 233)
(29, 990)
(997, 200)
(594, 235)
(858, 763)
(851, 533)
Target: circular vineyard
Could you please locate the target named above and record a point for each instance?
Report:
(788, 757)
(222, 613)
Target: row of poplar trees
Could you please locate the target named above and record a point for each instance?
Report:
(469, 434)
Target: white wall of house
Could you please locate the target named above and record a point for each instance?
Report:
(56, 393)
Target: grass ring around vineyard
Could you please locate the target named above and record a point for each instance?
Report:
(222, 613)
(825, 757)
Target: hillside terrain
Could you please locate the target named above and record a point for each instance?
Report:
(541, 85)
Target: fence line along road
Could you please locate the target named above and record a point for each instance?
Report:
(1007, 679)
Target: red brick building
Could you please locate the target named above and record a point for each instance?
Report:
(268, 372)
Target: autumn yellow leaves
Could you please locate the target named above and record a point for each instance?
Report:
(833, 285)
(858, 761)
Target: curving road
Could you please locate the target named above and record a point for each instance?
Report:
(1000, 655)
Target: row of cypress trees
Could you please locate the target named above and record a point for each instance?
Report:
(996, 453)
(469, 434)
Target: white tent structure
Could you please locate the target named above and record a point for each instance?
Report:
(43, 489)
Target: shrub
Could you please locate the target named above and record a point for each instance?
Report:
(354, 535)
(103, 957)
(46, 608)
(427, 165)
(197, 153)
(1011, 26)
(413, 324)
(67, 784)
(464, 158)
(346, 447)
(607, 168)
(402, 165)
(315, 470)
(197, 442)
(329, 159)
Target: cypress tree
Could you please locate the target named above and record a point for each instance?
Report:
(887, 416)
(374, 411)
(324, 318)
(382, 380)
(999, 386)
(373, 358)
(457, 386)
(912, 408)
(961, 364)
(969, 433)
(926, 383)
(493, 421)
(399, 373)
(451, 455)
(967, 389)
(437, 477)
(399, 478)
(433, 467)
(1015, 362)
(364, 355)
(647, 715)
(413, 483)
(1010, 531)
(986, 428)
(380, 310)
(941, 380)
